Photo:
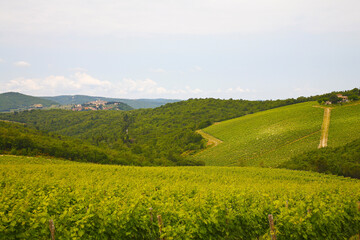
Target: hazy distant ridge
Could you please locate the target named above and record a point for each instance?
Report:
(14, 100)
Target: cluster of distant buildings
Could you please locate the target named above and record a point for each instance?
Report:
(343, 99)
(37, 106)
(96, 105)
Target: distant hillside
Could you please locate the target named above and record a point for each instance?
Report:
(134, 103)
(14, 100)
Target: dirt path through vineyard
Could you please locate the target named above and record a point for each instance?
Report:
(325, 128)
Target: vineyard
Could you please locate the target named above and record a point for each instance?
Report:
(344, 125)
(265, 138)
(90, 201)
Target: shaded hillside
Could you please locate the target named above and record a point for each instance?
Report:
(343, 160)
(134, 103)
(19, 139)
(14, 100)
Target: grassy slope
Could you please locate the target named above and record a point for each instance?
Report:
(88, 201)
(344, 125)
(265, 138)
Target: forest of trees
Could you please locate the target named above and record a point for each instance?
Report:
(18, 139)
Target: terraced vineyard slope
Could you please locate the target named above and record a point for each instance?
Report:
(90, 201)
(265, 138)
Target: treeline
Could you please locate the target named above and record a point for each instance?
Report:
(18, 139)
(352, 95)
(343, 161)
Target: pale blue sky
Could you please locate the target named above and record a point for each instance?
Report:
(256, 49)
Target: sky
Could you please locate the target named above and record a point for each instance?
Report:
(179, 49)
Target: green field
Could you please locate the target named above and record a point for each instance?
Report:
(344, 125)
(89, 201)
(265, 138)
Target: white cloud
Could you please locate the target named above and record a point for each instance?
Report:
(237, 89)
(197, 69)
(78, 83)
(83, 83)
(195, 91)
(22, 64)
(157, 70)
(307, 91)
(1, 60)
(78, 69)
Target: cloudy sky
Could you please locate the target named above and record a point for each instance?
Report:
(249, 49)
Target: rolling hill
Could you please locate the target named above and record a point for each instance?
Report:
(271, 137)
(14, 100)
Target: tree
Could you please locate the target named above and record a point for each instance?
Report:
(333, 98)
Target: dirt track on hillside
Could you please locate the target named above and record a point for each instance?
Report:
(325, 128)
(212, 141)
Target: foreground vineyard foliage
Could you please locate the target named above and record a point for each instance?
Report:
(89, 201)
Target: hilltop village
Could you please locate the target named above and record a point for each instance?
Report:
(97, 105)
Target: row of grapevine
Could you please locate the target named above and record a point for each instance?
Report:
(265, 138)
(89, 201)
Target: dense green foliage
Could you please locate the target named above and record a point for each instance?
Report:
(161, 133)
(20, 140)
(265, 138)
(134, 103)
(352, 95)
(13, 100)
(88, 201)
(344, 160)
